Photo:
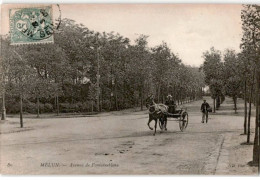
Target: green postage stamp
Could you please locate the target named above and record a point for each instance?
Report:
(31, 25)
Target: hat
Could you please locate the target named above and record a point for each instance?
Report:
(169, 96)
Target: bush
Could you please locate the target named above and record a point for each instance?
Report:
(106, 105)
(12, 107)
(41, 107)
(85, 107)
(48, 107)
(77, 107)
(64, 105)
(67, 107)
(29, 107)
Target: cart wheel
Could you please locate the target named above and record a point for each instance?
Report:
(183, 121)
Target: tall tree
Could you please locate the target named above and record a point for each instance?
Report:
(140, 64)
(231, 76)
(213, 70)
(250, 16)
(21, 77)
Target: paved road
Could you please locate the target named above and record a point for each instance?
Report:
(117, 143)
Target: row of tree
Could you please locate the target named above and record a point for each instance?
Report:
(250, 47)
(91, 71)
(237, 74)
(230, 74)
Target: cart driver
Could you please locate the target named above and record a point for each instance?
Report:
(170, 103)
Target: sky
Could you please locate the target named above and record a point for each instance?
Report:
(188, 29)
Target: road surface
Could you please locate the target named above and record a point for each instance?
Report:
(121, 143)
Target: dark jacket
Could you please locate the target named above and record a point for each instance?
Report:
(204, 107)
(169, 102)
(171, 105)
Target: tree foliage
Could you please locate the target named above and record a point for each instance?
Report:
(66, 71)
(250, 16)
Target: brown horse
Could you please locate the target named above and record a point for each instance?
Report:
(156, 112)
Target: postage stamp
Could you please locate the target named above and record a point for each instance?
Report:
(31, 25)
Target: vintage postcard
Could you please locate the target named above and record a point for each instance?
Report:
(130, 89)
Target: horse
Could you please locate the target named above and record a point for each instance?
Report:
(156, 112)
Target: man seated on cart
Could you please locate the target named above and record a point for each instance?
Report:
(171, 104)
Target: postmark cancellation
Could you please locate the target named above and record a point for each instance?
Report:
(31, 25)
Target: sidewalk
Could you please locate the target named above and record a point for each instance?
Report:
(234, 157)
(233, 154)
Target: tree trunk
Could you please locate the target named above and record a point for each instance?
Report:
(116, 100)
(21, 111)
(181, 97)
(111, 101)
(3, 106)
(218, 103)
(235, 103)
(98, 79)
(55, 102)
(249, 117)
(256, 148)
(111, 87)
(58, 106)
(92, 106)
(249, 113)
(214, 105)
(174, 93)
(38, 107)
(159, 89)
(101, 100)
(142, 94)
(245, 108)
(163, 99)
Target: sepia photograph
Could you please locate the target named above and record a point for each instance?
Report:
(130, 89)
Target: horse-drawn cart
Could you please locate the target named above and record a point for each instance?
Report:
(180, 116)
(164, 113)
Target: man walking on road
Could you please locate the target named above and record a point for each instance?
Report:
(204, 109)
